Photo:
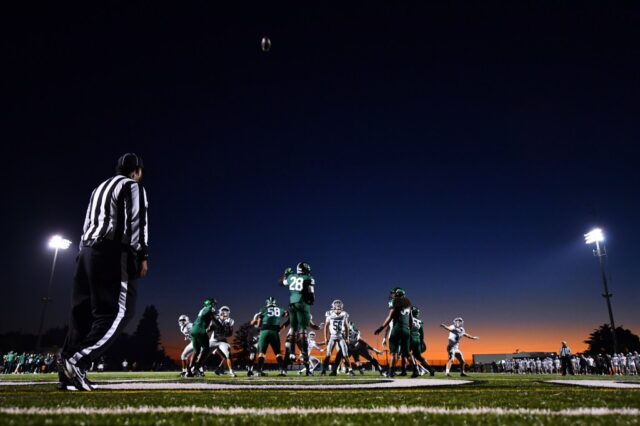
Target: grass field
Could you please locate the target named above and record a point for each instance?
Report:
(491, 399)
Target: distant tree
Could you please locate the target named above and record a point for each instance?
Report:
(601, 340)
(146, 339)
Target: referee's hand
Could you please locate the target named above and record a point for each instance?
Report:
(144, 267)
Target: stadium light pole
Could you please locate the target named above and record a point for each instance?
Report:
(57, 243)
(597, 236)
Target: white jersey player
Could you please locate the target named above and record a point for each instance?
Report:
(456, 333)
(336, 333)
(313, 361)
(185, 328)
(222, 327)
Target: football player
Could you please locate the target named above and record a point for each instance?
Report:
(268, 320)
(418, 345)
(313, 361)
(221, 329)
(200, 338)
(185, 328)
(301, 296)
(456, 332)
(336, 324)
(400, 321)
(357, 348)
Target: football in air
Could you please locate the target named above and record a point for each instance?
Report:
(265, 44)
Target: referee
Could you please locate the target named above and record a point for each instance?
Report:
(113, 255)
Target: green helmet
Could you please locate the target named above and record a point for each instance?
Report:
(209, 301)
(415, 312)
(271, 301)
(303, 268)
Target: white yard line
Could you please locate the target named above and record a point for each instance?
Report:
(382, 384)
(597, 384)
(230, 411)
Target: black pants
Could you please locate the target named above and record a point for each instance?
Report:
(566, 365)
(103, 301)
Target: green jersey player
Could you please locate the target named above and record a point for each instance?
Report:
(199, 336)
(417, 344)
(401, 322)
(301, 297)
(268, 320)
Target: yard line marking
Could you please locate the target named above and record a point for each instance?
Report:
(230, 411)
(381, 384)
(597, 384)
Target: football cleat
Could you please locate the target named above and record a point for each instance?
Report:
(303, 268)
(76, 376)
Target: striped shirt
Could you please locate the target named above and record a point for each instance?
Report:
(118, 211)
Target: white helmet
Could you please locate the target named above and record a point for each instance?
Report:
(312, 335)
(337, 304)
(224, 311)
(183, 319)
(460, 320)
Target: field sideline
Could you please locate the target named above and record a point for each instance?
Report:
(490, 399)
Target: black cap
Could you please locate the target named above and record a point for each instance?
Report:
(130, 161)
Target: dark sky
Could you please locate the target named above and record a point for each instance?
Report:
(459, 150)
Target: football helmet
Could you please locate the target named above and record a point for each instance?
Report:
(183, 319)
(399, 292)
(224, 312)
(209, 301)
(271, 301)
(337, 305)
(458, 322)
(303, 268)
(312, 335)
(415, 312)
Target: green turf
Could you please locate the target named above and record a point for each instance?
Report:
(489, 390)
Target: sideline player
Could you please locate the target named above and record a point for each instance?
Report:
(400, 321)
(268, 320)
(456, 332)
(185, 328)
(337, 324)
(418, 345)
(200, 338)
(301, 296)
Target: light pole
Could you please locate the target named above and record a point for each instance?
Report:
(56, 242)
(597, 236)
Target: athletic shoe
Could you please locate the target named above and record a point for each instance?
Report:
(323, 373)
(403, 373)
(282, 373)
(448, 375)
(261, 374)
(351, 373)
(75, 375)
(463, 375)
(415, 374)
(432, 372)
(333, 373)
(232, 374)
(249, 373)
(361, 371)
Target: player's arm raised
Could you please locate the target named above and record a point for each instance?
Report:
(470, 336)
(446, 327)
(285, 275)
